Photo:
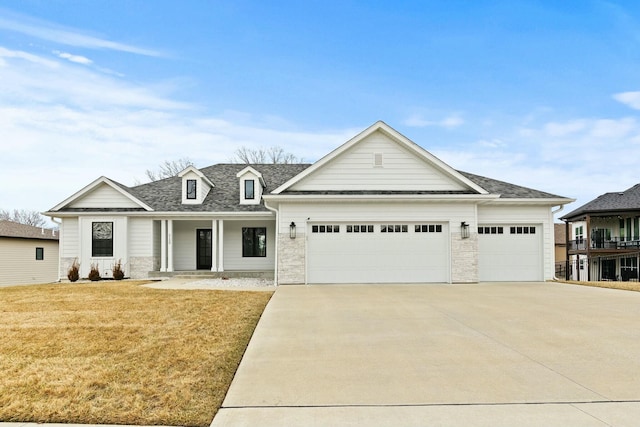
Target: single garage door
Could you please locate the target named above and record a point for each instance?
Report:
(378, 253)
(510, 253)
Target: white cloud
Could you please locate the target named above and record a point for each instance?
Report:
(68, 36)
(613, 128)
(630, 99)
(562, 129)
(449, 122)
(73, 58)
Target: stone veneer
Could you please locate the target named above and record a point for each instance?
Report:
(464, 258)
(139, 267)
(291, 259)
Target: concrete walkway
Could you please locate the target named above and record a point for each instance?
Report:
(414, 355)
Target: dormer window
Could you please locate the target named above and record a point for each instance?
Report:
(249, 192)
(251, 186)
(192, 189)
(195, 186)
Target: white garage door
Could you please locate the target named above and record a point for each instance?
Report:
(378, 253)
(510, 253)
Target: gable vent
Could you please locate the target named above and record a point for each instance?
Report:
(377, 160)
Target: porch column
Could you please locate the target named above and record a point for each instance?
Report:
(588, 248)
(163, 245)
(214, 245)
(170, 245)
(221, 246)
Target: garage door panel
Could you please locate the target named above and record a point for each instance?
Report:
(512, 255)
(376, 257)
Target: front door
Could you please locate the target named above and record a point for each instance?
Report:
(609, 269)
(203, 249)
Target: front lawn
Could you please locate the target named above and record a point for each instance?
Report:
(119, 353)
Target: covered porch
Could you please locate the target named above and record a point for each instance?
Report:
(215, 247)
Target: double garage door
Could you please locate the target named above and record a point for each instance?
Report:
(510, 253)
(378, 253)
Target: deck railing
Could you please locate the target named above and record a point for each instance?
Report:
(614, 243)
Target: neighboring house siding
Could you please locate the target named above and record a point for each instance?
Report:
(400, 170)
(19, 265)
(104, 196)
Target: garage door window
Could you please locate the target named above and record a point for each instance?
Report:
(428, 228)
(523, 230)
(394, 228)
(360, 228)
(254, 242)
(325, 228)
(490, 230)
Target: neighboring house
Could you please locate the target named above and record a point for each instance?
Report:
(27, 254)
(604, 237)
(560, 249)
(378, 209)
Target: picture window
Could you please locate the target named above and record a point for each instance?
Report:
(254, 242)
(102, 239)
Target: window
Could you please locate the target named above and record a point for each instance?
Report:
(102, 239)
(39, 254)
(523, 230)
(325, 228)
(364, 228)
(491, 230)
(579, 233)
(254, 242)
(394, 228)
(191, 189)
(248, 189)
(428, 228)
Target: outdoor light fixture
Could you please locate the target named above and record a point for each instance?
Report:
(292, 230)
(464, 230)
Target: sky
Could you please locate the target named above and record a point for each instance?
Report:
(543, 94)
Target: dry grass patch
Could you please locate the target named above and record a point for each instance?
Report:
(627, 286)
(118, 353)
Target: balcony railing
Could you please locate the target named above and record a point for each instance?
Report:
(614, 243)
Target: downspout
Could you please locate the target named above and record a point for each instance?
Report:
(53, 219)
(560, 208)
(275, 268)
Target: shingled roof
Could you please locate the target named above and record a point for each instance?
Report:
(166, 195)
(628, 200)
(22, 231)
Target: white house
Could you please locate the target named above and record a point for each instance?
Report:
(378, 209)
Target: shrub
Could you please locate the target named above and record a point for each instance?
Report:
(118, 272)
(73, 274)
(94, 273)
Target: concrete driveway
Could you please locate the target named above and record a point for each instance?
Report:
(413, 355)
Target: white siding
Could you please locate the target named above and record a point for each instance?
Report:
(400, 170)
(120, 237)
(69, 238)
(18, 265)
(184, 243)
(140, 237)
(104, 196)
(233, 259)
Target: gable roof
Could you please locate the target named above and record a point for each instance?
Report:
(103, 180)
(399, 139)
(197, 172)
(23, 231)
(510, 191)
(628, 200)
